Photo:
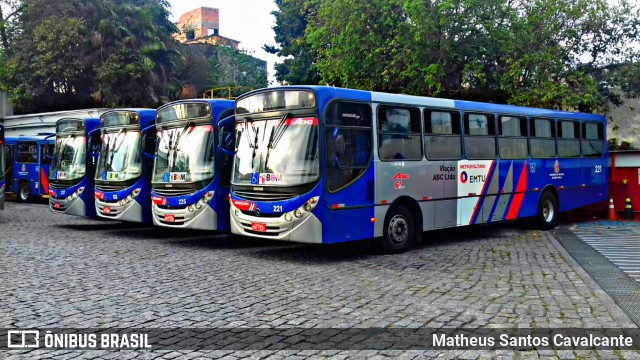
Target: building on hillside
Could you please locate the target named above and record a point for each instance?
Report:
(202, 25)
(200, 30)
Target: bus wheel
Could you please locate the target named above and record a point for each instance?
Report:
(24, 192)
(547, 211)
(398, 231)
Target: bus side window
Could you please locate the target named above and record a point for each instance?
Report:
(442, 139)
(399, 133)
(543, 138)
(479, 139)
(512, 139)
(592, 139)
(27, 152)
(348, 143)
(568, 139)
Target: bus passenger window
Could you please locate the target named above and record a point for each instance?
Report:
(592, 139)
(479, 138)
(348, 143)
(568, 139)
(543, 138)
(27, 152)
(512, 140)
(442, 135)
(399, 133)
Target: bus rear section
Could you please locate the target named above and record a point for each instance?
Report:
(28, 159)
(124, 167)
(192, 164)
(328, 165)
(71, 183)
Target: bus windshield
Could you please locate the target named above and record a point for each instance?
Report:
(69, 158)
(184, 154)
(120, 156)
(277, 152)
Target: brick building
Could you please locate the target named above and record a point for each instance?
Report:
(202, 25)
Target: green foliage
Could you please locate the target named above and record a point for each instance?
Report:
(73, 53)
(555, 53)
(291, 23)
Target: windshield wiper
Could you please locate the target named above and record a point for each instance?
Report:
(276, 135)
(60, 151)
(111, 151)
(173, 148)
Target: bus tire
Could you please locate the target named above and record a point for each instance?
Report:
(24, 192)
(399, 231)
(547, 211)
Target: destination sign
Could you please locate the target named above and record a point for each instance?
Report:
(120, 118)
(183, 111)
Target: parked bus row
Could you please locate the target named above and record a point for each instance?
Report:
(327, 165)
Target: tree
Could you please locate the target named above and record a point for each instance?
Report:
(557, 54)
(292, 18)
(71, 54)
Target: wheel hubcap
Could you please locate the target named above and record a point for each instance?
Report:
(398, 229)
(548, 211)
(24, 194)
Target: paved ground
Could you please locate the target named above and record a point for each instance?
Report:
(618, 241)
(63, 271)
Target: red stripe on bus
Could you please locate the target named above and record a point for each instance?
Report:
(485, 187)
(44, 182)
(519, 196)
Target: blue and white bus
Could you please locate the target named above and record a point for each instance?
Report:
(28, 160)
(327, 165)
(192, 167)
(71, 184)
(125, 165)
(3, 167)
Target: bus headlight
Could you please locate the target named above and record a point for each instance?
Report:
(199, 204)
(288, 217)
(129, 198)
(121, 202)
(236, 212)
(190, 208)
(297, 213)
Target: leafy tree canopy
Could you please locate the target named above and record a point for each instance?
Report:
(563, 54)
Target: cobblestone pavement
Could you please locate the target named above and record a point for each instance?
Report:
(62, 271)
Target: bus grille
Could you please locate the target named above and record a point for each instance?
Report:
(110, 188)
(265, 196)
(172, 192)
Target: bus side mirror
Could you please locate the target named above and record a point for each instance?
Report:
(226, 136)
(149, 145)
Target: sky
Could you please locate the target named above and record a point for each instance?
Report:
(248, 21)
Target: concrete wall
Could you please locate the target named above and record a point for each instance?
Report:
(624, 122)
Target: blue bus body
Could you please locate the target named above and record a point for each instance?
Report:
(28, 160)
(124, 167)
(71, 183)
(386, 166)
(191, 170)
(3, 167)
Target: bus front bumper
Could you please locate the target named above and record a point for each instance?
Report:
(308, 229)
(72, 207)
(203, 219)
(112, 210)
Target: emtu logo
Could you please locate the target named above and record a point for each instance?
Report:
(464, 177)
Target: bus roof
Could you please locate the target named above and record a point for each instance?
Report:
(217, 105)
(373, 96)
